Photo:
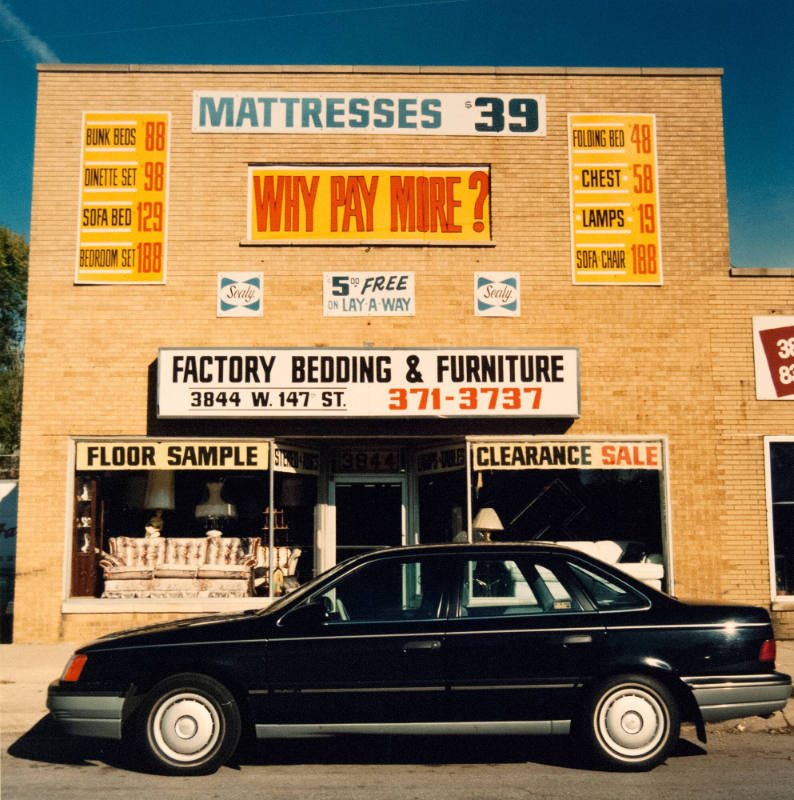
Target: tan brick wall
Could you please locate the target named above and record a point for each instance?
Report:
(647, 353)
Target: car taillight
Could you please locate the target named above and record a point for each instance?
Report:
(74, 667)
(768, 651)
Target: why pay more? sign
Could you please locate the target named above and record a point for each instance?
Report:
(321, 204)
(368, 382)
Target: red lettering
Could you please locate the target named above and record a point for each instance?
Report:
(280, 202)
(424, 204)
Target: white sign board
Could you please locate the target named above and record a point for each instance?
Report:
(240, 294)
(368, 382)
(369, 294)
(414, 113)
(497, 294)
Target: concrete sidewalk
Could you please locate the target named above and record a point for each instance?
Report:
(27, 669)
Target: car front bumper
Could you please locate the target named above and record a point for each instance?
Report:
(734, 696)
(89, 714)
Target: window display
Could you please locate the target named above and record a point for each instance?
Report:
(206, 528)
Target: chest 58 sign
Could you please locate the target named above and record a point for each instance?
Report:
(614, 199)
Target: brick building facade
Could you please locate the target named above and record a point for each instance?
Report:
(557, 335)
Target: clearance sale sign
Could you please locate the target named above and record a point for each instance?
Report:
(319, 204)
(614, 199)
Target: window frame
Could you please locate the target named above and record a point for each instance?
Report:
(559, 568)
(775, 596)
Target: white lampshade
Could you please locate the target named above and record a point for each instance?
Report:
(160, 489)
(487, 520)
(215, 505)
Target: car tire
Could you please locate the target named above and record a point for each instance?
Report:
(188, 724)
(630, 722)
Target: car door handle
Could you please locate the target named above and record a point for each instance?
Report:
(584, 638)
(422, 644)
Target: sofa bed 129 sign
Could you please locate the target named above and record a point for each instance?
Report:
(483, 638)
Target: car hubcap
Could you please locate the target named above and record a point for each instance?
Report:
(186, 726)
(631, 721)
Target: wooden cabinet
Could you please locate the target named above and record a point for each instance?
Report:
(87, 526)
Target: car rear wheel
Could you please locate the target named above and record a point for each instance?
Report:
(188, 724)
(631, 722)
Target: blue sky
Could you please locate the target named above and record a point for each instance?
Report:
(750, 39)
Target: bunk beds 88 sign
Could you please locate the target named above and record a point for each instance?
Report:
(443, 113)
(123, 197)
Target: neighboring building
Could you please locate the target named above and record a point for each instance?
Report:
(8, 547)
(281, 315)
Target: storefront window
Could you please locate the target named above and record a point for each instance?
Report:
(442, 494)
(605, 498)
(176, 519)
(780, 482)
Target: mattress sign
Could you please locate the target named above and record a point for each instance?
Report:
(409, 113)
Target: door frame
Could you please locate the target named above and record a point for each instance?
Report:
(329, 533)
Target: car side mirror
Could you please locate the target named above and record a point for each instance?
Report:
(305, 617)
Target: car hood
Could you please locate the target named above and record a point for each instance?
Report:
(189, 629)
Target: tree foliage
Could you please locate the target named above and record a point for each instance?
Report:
(13, 302)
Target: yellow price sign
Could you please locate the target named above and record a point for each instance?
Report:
(614, 199)
(123, 198)
(321, 204)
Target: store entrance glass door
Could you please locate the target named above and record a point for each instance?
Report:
(370, 513)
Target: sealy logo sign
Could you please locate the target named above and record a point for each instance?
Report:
(240, 294)
(496, 294)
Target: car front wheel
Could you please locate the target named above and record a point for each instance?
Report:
(188, 724)
(631, 722)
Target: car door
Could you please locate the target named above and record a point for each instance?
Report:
(520, 639)
(377, 657)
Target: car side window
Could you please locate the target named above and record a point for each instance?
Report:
(395, 590)
(607, 594)
(500, 586)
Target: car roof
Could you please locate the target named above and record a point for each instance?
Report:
(467, 547)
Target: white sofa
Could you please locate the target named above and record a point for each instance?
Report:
(179, 567)
(650, 570)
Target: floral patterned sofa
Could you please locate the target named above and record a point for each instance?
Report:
(179, 568)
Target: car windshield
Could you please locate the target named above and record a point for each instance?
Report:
(306, 588)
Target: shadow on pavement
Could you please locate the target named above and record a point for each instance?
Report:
(45, 743)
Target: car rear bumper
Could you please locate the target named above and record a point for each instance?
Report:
(734, 696)
(93, 714)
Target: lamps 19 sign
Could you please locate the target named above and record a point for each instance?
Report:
(123, 197)
(614, 199)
